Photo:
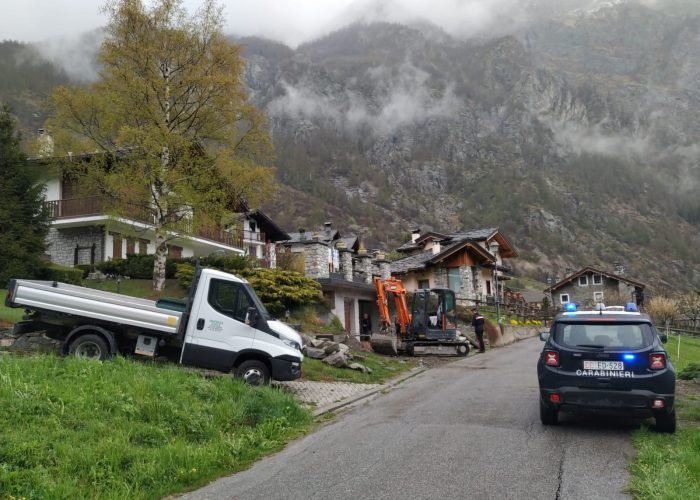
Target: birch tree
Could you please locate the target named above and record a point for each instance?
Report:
(170, 131)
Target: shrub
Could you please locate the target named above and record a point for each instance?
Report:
(54, 272)
(136, 266)
(85, 268)
(280, 290)
(690, 372)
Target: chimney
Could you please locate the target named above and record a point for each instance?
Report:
(415, 234)
(619, 268)
(45, 143)
(328, 226)
(302, 234)
(436, 247)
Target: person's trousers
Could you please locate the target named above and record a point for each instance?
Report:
(480, 339)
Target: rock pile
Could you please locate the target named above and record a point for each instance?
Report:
(332, 353)
(28, 342)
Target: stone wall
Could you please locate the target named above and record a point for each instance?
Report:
(467, 289)
(316, 259)
(440, 277)
(61, 244)
(363, 267)
(345, 256)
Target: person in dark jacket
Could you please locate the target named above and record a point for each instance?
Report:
(365, 331)
(478, 324)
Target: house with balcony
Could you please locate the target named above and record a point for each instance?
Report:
(471, 263)
(84, 231)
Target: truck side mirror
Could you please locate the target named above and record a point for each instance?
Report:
(544, 336)
(251, 317)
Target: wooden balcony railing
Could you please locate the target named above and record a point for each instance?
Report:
(94, 205)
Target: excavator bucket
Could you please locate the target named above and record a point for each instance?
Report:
(383, 343)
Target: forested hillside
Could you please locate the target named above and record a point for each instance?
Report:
(576, 133)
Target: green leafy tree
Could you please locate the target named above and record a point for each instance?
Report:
(179, 141)
(23, 221)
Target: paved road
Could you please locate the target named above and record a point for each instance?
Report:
(470, 429)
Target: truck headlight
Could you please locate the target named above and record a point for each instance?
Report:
(291, 343)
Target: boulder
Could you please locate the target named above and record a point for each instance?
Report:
(307, 340)
(336, 359)
(314, 353)
(331, 347)
(343, 348)
(317, 343)
(360, 368)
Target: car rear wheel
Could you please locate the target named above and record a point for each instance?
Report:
(666, 422)
(548, 416)
(89, 346)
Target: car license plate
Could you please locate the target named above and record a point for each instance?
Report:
(603, 365)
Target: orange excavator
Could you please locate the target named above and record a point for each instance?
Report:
(429, 327)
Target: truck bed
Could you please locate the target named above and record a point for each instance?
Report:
(95, 304)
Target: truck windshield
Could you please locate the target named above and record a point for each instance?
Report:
(257, 303)
(612, 336)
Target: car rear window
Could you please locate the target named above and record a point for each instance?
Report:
(614, 336)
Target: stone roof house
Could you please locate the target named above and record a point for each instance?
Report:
(468, 262)
(591, 285)
(342, 267)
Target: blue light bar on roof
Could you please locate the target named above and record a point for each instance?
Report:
(631, 307)
(570, 307)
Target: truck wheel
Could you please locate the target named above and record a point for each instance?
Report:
(548, 416)
(89, 346)
(666, 422)
(462, 350)
(253, 372)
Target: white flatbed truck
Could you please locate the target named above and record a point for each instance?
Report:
(222, 326)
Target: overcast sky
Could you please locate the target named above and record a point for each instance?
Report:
(291, 21)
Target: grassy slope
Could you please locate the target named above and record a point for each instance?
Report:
(383, 369)
(8, 314)
(668, 466)
(123, 429)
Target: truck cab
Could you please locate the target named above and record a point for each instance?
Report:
(229, 328)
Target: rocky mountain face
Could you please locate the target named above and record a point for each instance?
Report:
(576, 135)
(575, 132)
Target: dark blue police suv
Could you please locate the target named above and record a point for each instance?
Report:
(607, 362)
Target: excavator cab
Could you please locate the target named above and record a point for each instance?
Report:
(433, 315)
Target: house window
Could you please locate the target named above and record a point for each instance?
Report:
(454, 279)
(174, 252)
(423, 283)
(597, 279)
(143, 247)
(564, 298)
(583, 280)
(488, 287)
(130, 246)
(597, 297)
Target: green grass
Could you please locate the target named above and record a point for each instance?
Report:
(8, 314)
(690, 351)
(668, 466)
(138, 288)
(124, 429)
(383, 369)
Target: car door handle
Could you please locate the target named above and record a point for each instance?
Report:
(200, 324)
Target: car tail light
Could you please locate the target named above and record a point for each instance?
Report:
(657, 361)
(657, 403)
(551, 358)
(555, 398)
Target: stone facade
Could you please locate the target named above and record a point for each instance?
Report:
(384, 267)
(614, 292)
(363, 267)
(466, 291)
(316, 259)
(63, 243)
(440, 277)
(345, 263)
